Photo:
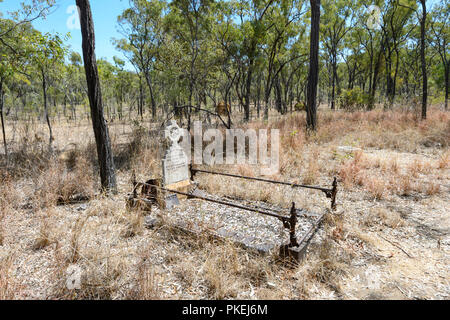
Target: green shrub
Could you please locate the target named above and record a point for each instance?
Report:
(353, 99)
(300, 106)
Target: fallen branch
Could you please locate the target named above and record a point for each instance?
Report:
(397, 245)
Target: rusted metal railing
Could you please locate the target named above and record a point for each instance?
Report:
(329, 192)
(289, 220)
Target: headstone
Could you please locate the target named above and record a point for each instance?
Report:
(175, 167)
(174, 162)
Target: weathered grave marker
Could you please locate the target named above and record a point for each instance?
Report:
(176, 183)
(174, 162)
(175, 167)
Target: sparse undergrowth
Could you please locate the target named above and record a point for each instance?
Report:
(49, 200)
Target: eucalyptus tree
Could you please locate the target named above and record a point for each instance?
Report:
(243, 37)
(385, 44)
(142, 26)
(73, 84)
(421, 16)
(367, 36)
(423, 20)
(190, 25)
(311, 106)
(336, 22)
(13, 47)
(101, 133)
(47, 55)
(5, 72)
(254, 25)
(29, 11)
(354, 58)
(228, 37)
(396, 31)
(439, 38)
(123, 82)
(106, 73)
(283, 33)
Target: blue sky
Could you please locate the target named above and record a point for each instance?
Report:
(104, 12)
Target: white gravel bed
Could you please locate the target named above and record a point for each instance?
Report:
(254, 230)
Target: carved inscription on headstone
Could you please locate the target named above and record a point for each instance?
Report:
(174, 162)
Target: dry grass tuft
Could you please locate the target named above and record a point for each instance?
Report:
(8, 286)
(375, 186)
(328, 269)
(418, 167)
(147, 283)
(312, 172)
(59, 185)
(77, 229)
(444, 160)
(43, 238)
(350, 170)
(134, 224)
(245, 170)
(432, 188)
(404, 185)
(382, 216)
(390, 166)
(216, 280)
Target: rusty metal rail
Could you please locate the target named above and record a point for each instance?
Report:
(294, 248)
(329, 192)
(190, 195)
(289, 222)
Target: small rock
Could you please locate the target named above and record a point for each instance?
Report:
(348, 149)
(150, 222)
(82, 207)
(271, 285)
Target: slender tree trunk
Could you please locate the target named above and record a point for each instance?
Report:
(248, 86)
(370, 73)
(447, 69)
(105, 156)
(266, 106)
(141, 98)
(313, 76)
(152, 98)
(258, 97)
(334, 78)
(376, 70)
(44, 91)
(278, 98)
(422, 60)
(333, 88)
(3, 121)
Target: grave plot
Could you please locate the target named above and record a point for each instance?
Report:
(252, 230)
(255, 225)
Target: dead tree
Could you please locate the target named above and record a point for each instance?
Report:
(105, 156)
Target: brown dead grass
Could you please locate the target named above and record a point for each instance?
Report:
(59, 185)
(8, 286)
(383, 216)
(121, 259)
(444, 160)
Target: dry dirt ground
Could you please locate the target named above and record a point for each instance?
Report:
(388, 239)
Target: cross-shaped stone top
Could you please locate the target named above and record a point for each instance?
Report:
(172, 133)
